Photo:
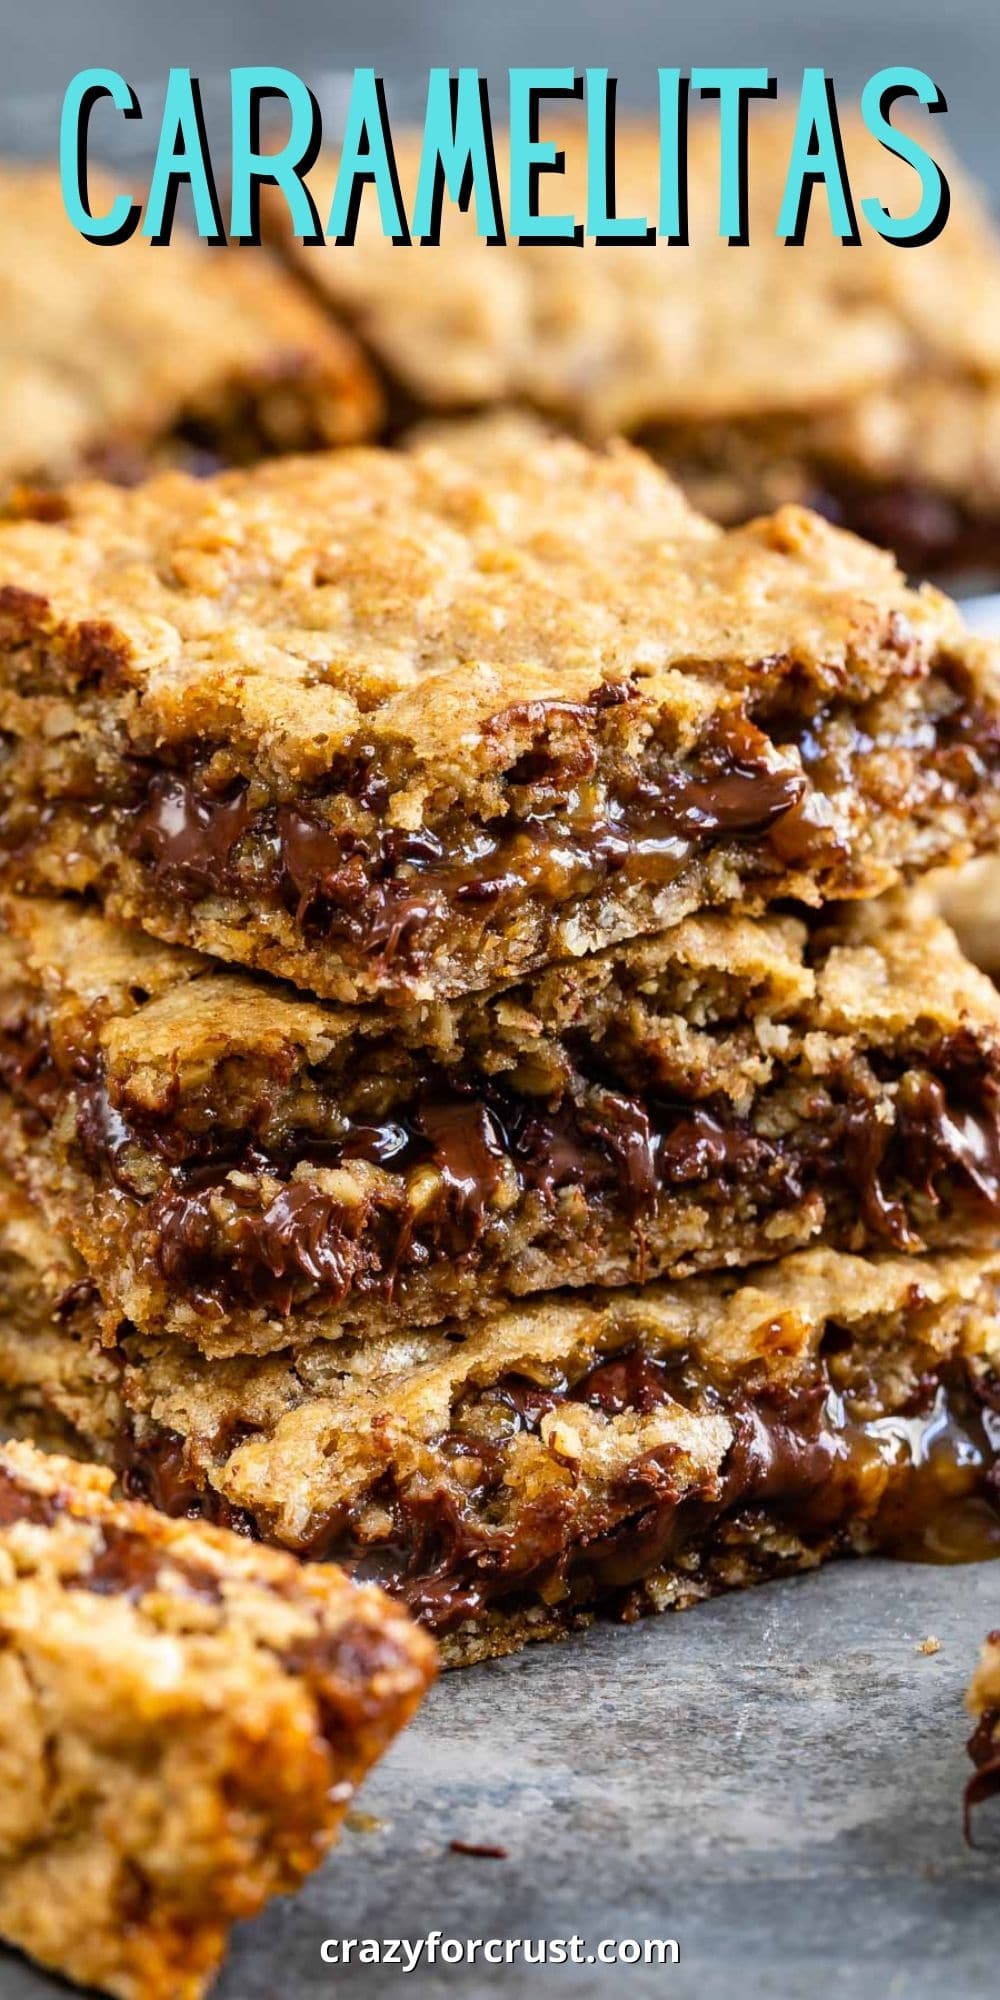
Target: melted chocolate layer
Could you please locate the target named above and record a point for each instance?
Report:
(493, 1150)
(157, 1471)
(922, 1485)
(622, 1152)
(378, 890)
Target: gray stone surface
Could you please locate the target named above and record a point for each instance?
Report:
(774, 1780)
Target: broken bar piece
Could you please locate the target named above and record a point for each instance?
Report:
(983, 1702)
(184, 1717)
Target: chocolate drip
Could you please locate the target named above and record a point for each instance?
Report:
(154, 1465)
(946, 1129)
(342, 885)
(188, 837)
(302, 1233)
(103, 1135)
(632, 1381)
(621, 1125)
(963, 1140)
(702, 1147)
(787, 1449)
(736, 789)
(868, 1145)
(984, 1749)
(468, 1150)
(530, 1401)
(302, 1236)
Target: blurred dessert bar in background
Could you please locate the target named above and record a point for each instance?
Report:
(969, 898)
(864, 381)
(116, 360)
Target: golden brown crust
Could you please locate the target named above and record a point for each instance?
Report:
(395, 725)
(185, 1718)
(250, 1170)
(105, 354)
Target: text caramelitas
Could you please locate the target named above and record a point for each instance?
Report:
(513, 190)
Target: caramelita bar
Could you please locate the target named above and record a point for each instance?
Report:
(397, 727)
(249, 1169)
(116, 360)
(846, 378)
(984, 1744)
(184, 1718)
(617, 1453)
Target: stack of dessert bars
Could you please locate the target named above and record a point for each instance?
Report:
(483, 1098)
